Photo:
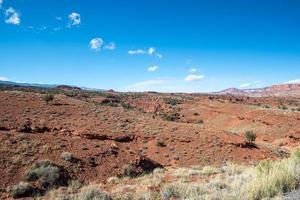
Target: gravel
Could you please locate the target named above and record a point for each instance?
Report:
(294, 195)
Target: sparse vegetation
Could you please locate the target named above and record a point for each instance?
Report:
(92, 193)
(129, 171)
(67, 156)
(22, 189)
(200, 121)
(126, 106)
(172, 101)
(283, 107)
(171, 117)
(48, 98)
(160, 144)
(250, 136)
(48, 174)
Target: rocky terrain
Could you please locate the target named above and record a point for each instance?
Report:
(92, 136)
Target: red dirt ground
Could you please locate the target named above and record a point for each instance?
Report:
(106, 131)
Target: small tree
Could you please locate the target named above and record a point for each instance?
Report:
(48, 98)
(250, 136)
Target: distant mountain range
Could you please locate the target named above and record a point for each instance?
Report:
(274, 90)
(10, 83)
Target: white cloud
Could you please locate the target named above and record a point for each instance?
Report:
(192, 70)
(296, 81)
(1, 2)
(192, 77)
(96, 44)
(110, 46)
(151, 50)
(153, 68)
(2, 78)
(245, 85)
(74, 19)
(137, 51)
(12, 17)
(159, 55)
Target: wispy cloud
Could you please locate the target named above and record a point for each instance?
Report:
(12, 16)
(150, 51)
(245, 85)
(2, 78)
(295, 81)
(74, 19)
(153, 68)
(110, 46)
(192, 70)
(58, 18)
(254, 84)
(1, 2)
(137, 51)
(96, 44)
(192, 78)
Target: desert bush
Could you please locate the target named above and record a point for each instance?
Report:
(160, 144)
(172, 101)
(21, 190)
(48, 174)
(126, 106)
(92, 193)
(129, 171)
(48, 97)
(201, 121)
(67, 156)
(171, 117)
(250, 136)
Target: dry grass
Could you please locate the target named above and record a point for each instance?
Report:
(269, 179)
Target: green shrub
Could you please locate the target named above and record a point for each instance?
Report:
(171, 117)
(160, 144)
(67, 156)
(48, 97)
(48, 174)
(129, 171)
(200, 121)
(21, 190)
(250, 136)
(126, 106)
(172, 101)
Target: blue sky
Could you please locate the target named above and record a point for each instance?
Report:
(161, 45)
